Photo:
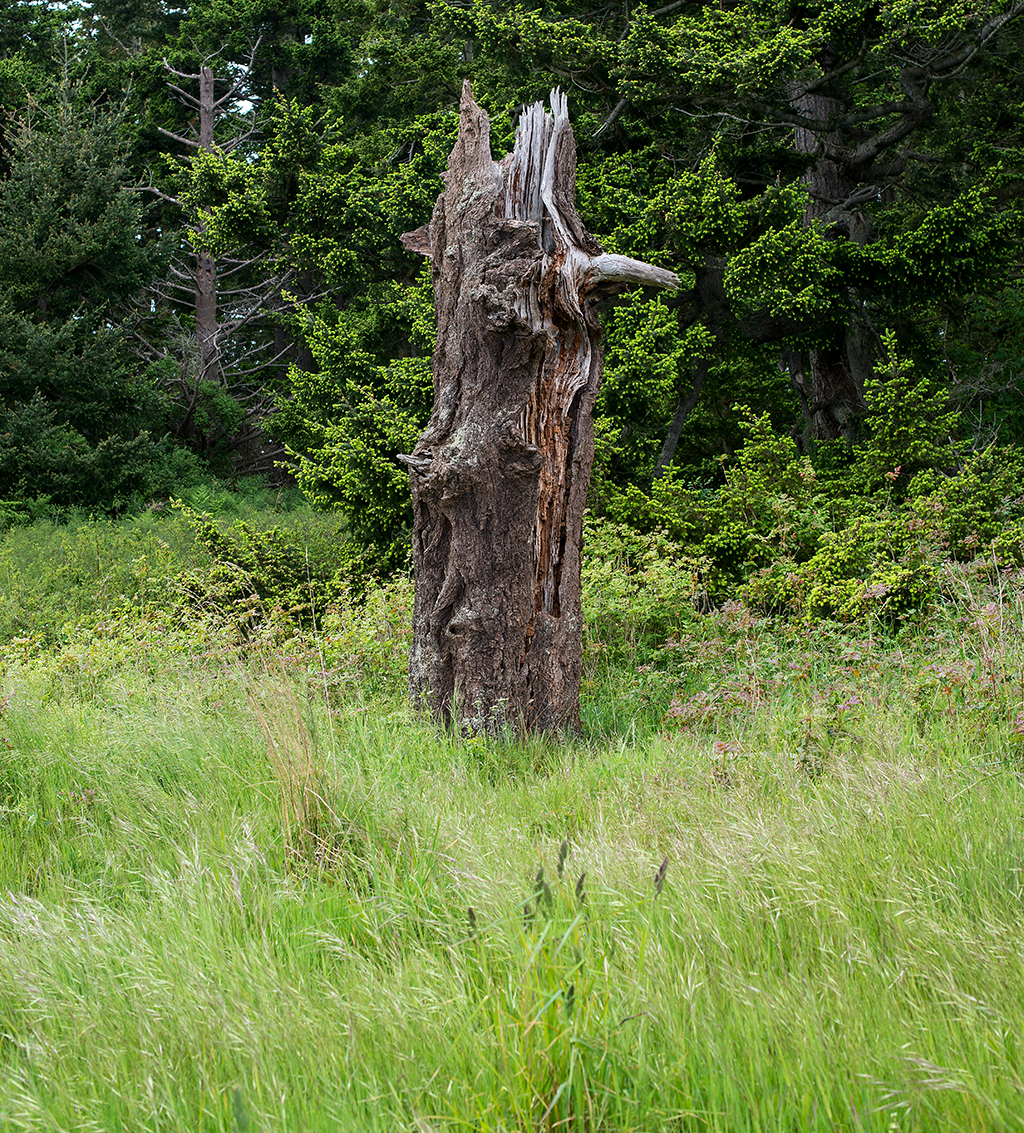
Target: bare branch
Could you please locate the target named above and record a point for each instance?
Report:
(180, 74)
(868, 193)
(103, 24)
(669, 8)
(184, 94)
(178, 138)
(418, 240)
(869, 114)
(161, 194)
(263, 365)
(608, 268)
(950, 66)
(615, 115)
(865, 153)
(831, 76)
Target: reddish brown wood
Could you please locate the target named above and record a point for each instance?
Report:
(499, 476)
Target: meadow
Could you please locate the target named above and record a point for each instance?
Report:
(776, 884)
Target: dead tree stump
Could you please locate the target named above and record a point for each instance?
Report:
(499, 475)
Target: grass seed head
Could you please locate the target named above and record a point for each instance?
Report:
(659, 877)
(563, 853)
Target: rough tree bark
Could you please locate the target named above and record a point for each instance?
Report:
(499, 475)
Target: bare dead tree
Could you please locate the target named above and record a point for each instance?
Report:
(229, 296)
(500, 474)
(203, 276)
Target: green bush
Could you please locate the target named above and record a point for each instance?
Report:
(972, 506)
(1008, 545)
(910, 424)
(769, 508)
(873, 567)
(44, 457)
(857, 532)
(638, 589)
(255, 576)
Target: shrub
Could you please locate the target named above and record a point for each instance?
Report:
(769, 508)
(638, 589)
(1008, 545)
(910, 424)
(974, 504)
(876, 566)
(255, 575)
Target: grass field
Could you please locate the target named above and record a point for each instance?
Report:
(776, 885)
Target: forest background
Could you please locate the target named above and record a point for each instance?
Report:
(201, 271)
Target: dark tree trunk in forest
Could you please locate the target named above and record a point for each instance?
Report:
(831, 386)
(500, 474)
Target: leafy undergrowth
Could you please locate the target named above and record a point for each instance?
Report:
(777, 884)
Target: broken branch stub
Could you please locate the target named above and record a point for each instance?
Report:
(499, 476)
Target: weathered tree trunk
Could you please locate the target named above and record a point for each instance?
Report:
(499, 476)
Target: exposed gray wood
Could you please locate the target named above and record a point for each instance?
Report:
(499, 476)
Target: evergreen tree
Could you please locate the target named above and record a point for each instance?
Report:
(74, 401)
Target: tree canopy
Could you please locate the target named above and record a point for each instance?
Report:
(837, 183)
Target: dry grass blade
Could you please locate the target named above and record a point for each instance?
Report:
(305, 814)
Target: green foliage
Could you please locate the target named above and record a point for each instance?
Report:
(638, 590)
(69, 223)
(976, 503)
(876, 567)
(911, 426)
(688, 157)
(364, 642)
(718, 192)
(767, 508)
(982, 363)
(794, 271)
(647, 359)
(1008, 545)
(63, 570)
(703, 210)
(86, 571)
(256, 580)
(40, 456)
(845, 540)
(348, 420)
(76, 410)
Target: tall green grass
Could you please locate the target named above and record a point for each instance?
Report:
(245, 889)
